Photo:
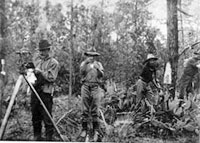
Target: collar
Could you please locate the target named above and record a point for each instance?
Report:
(44, 59)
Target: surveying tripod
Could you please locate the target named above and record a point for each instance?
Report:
(24, 63)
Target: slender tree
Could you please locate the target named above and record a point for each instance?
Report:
(172, 40)
(2, 50)
(181, 22)
(71, 49)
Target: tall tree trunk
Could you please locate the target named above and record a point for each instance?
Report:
(71, 50)
(181, 22)
(2, 50)
(172, 40)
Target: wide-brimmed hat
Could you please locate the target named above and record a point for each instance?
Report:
(91, 54)
(44, 45)
(150, 57)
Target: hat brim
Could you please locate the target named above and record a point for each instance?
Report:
(46, 48)
(91, 54)
(149, 60)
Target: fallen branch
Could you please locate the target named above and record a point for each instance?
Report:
(161, 125)
(64, 116)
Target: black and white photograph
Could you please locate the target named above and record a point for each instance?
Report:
(125, 71)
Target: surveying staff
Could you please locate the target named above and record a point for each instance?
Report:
(91, 73)
(46, 71)
(191, 67)
(143, 88)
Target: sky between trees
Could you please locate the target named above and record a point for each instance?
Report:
(157, 7)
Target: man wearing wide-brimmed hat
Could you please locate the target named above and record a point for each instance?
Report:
(191, 68)
(46, 71)
(148, 75)
(91, 73)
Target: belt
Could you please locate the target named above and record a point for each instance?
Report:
(90, 82)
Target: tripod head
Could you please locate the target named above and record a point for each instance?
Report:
(24, 60)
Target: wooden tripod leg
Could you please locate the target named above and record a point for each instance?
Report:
(5, 120)
(43, 105)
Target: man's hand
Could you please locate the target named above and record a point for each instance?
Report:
(30, 65)
(152, 110)
(159, 87)
(89, 60)
(198, 66)
(98, 66)
(22, 70)
(103, 86)
(37, 71)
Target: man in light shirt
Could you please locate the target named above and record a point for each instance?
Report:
(91, 75)
(191, 68)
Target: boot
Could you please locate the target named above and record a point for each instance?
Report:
(96, 136)
(95, 131)
(83, 134)
(49, 138)
(37, 137)
(49, 134)
(37, 134)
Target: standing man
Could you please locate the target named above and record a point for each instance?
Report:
(91, 73)
(191, 67)
(145, 95)
(46, 71)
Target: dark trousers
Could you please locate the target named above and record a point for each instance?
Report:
(143, 91)
(39, 114)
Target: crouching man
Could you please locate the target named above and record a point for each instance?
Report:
(145, 96)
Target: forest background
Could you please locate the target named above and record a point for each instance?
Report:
(118, 30)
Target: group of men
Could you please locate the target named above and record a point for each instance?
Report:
(46, 71)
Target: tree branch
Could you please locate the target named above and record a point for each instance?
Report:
(183, 12)
(187, 48)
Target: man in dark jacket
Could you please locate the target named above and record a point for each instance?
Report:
(91, 72)
(145, 95)
(46, 71)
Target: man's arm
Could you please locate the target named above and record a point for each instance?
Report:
(83, 68)
(198, 66)
(51, 74)
(84, 65)
(100, 69)
(155, 82)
